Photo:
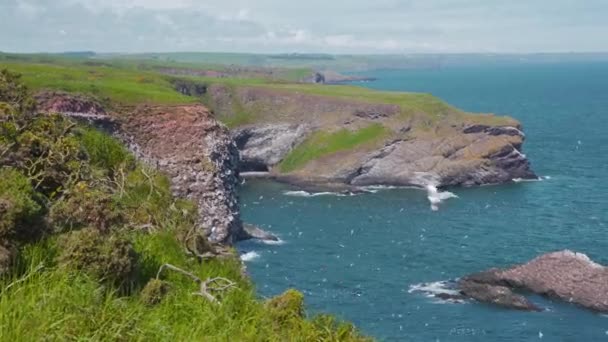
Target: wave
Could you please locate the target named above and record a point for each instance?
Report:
(437, 290)
(437, 197)
(273, 242)
(302, 193)
(249, 256)
(434, 288)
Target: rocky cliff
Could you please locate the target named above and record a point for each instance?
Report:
(186, 142)
(423, 141)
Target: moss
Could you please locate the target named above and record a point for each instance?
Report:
(287, 306)
(20, 211)
(154, 291)
(107, 257)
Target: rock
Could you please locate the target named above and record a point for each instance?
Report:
(565, 275)
(253, 232)
(65, 103)
(497, 295)
(262, 147)
(186, 142)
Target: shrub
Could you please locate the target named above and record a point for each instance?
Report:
(85, 206)
(108, 257)
(7, 255)
(287, 306)
(13, 92)
(20, 212)
(154, 291)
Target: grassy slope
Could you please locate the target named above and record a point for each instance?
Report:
(323, 143)
(51, 304)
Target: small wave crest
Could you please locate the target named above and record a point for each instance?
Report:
(249, 256)
(434, 288)
(437, 197)
(444, 291)
(273, 242)
(302, 193)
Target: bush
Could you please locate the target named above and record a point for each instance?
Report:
(287, 306)
(85, 206)
(20, 212)
(154, 291)
(107, 257)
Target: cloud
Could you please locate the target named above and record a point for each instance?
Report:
(360, 26)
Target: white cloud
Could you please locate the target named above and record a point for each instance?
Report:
(307, 26)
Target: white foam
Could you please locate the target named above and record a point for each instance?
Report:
(433, 289)
(437, 197)
(249, 256)
(273, 242)
(302, 193)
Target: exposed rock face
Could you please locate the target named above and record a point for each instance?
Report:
(456, 149)
(186, 142)
(565, 275)
(262, 147)
(60, 102)
(484, 157)
(198, 154)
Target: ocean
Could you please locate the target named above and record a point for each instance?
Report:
(363, 257)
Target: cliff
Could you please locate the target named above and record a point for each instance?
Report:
(184, 141)
(311, 134)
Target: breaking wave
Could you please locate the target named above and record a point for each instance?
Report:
(437, 197)
(249, 256)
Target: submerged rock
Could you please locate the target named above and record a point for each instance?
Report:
(565, 275)
(253, 232)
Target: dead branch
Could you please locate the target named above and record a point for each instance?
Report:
(209, 289)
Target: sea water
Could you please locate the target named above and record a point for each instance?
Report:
(365, 257)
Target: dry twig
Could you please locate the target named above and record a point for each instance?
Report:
(209, 288)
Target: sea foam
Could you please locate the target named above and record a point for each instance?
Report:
(249, 256)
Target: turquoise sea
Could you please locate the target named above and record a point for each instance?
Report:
(360, 256)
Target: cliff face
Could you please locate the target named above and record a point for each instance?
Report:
(417, 148)
(186, 142)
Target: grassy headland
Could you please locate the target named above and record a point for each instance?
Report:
(84, 231)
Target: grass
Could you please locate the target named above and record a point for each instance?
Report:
(119, 86)
(325, 143)
(45, 302)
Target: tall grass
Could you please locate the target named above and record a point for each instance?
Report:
(47, 303)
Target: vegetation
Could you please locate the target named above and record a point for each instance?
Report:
(323, 143)
(84, 231)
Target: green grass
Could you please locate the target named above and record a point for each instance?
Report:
(45, 302)
(120, 86)
(325, 143)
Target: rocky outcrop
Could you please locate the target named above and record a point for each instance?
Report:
(186, 142)
(565, 275)
(61, 102)
(568, 276)
(262, 147)
(485, 157)
(198, 154)
(451, 149)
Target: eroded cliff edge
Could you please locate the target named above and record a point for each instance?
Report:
(184, 141)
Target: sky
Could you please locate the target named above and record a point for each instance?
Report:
(320, 26)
